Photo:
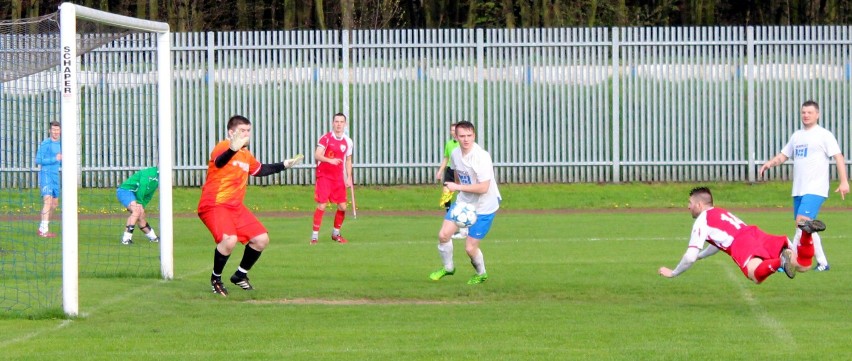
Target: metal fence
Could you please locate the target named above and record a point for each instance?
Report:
(551, 105)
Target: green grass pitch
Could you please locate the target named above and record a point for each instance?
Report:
(563, 286)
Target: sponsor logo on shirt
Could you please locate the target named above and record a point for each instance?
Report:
(801, 151)
(243, 165)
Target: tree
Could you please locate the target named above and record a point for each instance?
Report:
(347, 9)
(508, 10)
(242, 15)
(33, 10)
(620, 13)
(320, 15)
(17, 7)
(225, 15)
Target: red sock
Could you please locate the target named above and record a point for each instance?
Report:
(318, 219)
(805, 250)
(766, 269)
(338, 218)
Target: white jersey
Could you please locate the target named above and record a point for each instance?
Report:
(811, 151)
(476, 167)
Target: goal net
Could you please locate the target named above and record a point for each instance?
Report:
(105, 79)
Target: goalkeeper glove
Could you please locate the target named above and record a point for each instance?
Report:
(238, 141)
(289, 163)
(446, 197)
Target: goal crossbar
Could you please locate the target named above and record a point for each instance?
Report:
(103, 17)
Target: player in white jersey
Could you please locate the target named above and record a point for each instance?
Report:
(758, 254)
(476, 185)
(811, 148)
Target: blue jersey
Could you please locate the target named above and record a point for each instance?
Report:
(48, 175)
(46, 156)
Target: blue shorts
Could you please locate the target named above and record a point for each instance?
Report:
(479, 229)
(125, 197)
(807, 205)
(49, 185)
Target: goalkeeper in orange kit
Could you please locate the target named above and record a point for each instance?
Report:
(221, 205)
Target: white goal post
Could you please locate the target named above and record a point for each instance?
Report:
(70, 119)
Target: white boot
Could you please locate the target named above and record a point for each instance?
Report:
(152, 236)
(127, 238)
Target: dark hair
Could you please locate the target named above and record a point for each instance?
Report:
(464, 124)
(339, 115)
(237, 120)
(810, 103)
(55, 124)
(703, 193)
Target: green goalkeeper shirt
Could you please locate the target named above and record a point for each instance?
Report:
(451, 145)
(143, 183)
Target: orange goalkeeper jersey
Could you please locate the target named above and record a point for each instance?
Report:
(227, 185)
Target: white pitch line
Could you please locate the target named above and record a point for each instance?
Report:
(522, 240)
(33, 335)
(781, 333)
(107, 302)
(543, 240)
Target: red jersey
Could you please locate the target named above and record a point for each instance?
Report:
(729, 234)
(338, 148)
(716, 226)
(227, 185)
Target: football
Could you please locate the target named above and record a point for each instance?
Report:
(463, 214)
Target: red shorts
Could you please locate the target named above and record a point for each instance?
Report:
(333, 190)
(231, 221)
(751, 243)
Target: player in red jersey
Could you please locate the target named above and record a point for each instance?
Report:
(334, 175)
(221, 205)
(757, 253)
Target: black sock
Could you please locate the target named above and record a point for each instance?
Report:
(130, 228)
(145, 226)
(250, 256)
(219, 261)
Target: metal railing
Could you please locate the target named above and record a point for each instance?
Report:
(551, 105)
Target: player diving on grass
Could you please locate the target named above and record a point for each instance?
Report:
(221, 205)
(757, 253)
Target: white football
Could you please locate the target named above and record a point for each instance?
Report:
(463, 214)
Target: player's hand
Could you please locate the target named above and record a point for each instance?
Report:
(59, 156)
(296, 159)
(335, 161)
(665, 272)
(763, 169)
(843, 189)
(452, 186)
(238, 141)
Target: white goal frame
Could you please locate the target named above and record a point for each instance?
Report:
(70, 117)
